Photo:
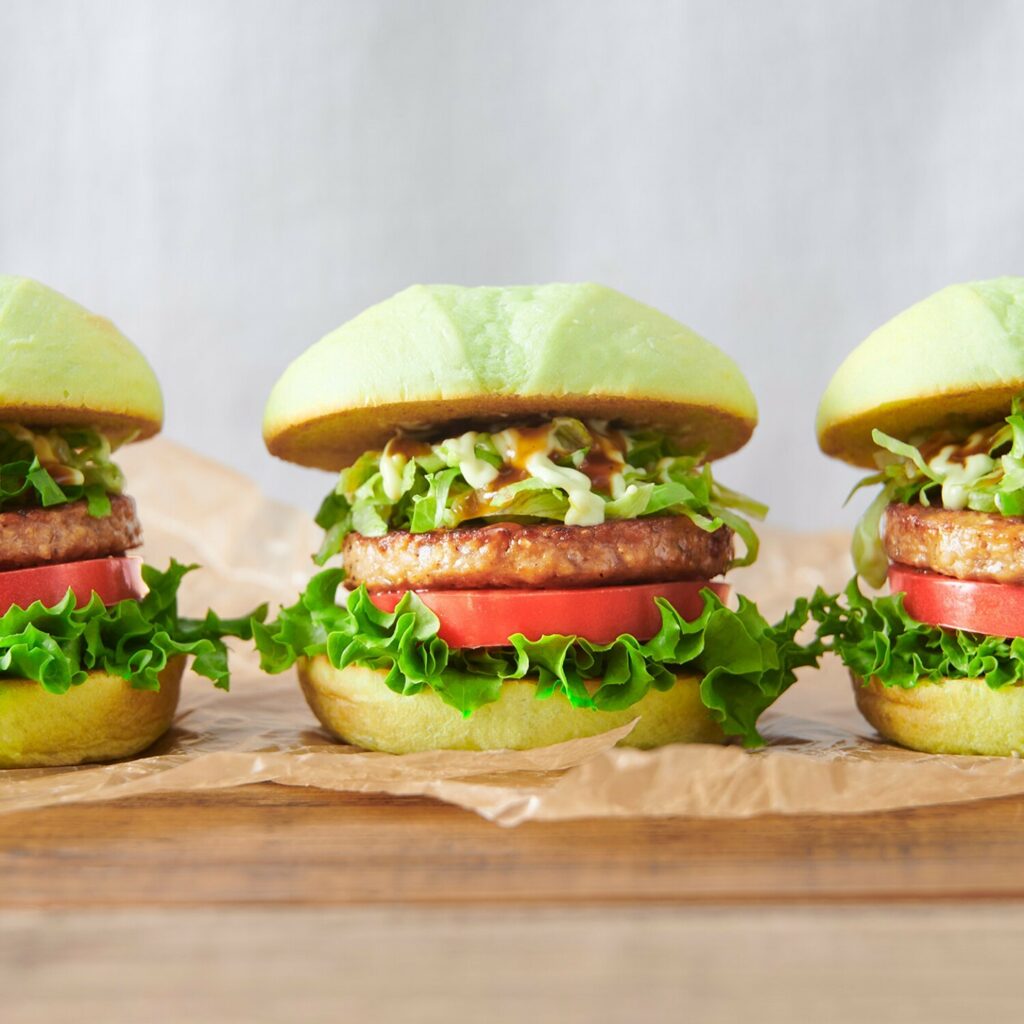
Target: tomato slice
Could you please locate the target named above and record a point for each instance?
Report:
(487, 618)
(114, 579)
(995, 609)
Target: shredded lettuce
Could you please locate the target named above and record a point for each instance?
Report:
(422, 487)
(42, 468)
(58, 646)
(744, 663)
(982, 471)
(876, 638)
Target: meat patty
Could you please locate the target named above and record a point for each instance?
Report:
(509, 555)
(967, 545)
(67, 533)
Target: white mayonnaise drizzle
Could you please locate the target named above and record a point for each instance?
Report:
(507, 442)
(585, 507)
(476, 472)
(958, 477)
(391, 466)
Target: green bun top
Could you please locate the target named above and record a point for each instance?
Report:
(438, 354)
(956, 358)
(61, 364)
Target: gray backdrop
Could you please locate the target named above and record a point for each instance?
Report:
(229, 180)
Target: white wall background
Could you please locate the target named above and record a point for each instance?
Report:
(230, 180)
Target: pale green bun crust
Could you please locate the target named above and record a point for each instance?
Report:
(955, 358)
(955, 716)
(436, 354)
(356, 705)
(102, 719)
(60, 364)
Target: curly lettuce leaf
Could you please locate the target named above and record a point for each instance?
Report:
(876, 638)
(53, 467)
(430, 488)
(743, 662)
(58, 646)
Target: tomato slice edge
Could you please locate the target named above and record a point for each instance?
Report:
(114, 579)
(487, 618)
(975, 606)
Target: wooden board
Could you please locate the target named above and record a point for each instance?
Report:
(503, 965)
(275, 845)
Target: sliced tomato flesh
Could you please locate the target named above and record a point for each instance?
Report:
(487, 618)
(113, 579)
(975, 606)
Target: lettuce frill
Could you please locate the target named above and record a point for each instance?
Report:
(58, 646)
(744, 664)
(876, 639)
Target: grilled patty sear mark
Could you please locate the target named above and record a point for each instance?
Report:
(960, 543)
(509, 555)
(67, 533)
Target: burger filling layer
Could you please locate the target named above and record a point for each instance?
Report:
(980, 471)
(545, 555)
(947, 529)
(570, 554)
(560, 471)
(47, 466)
(61, 496)
(67, 533)
(962, 544)
(70, 603)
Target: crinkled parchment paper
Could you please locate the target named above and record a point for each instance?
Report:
(821, 755)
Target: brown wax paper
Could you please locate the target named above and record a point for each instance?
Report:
(820, 757)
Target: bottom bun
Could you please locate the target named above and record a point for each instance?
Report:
(356, 705)
(102, 719)
(954, 716)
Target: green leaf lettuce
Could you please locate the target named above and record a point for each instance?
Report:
(63, 464)
(876, 638)
(58, 646)
(743, 662)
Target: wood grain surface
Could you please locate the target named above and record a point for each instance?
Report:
(274, 845)
(444, 965)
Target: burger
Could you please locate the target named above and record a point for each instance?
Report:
(525, 543)
(933, 403)
(92, 648)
